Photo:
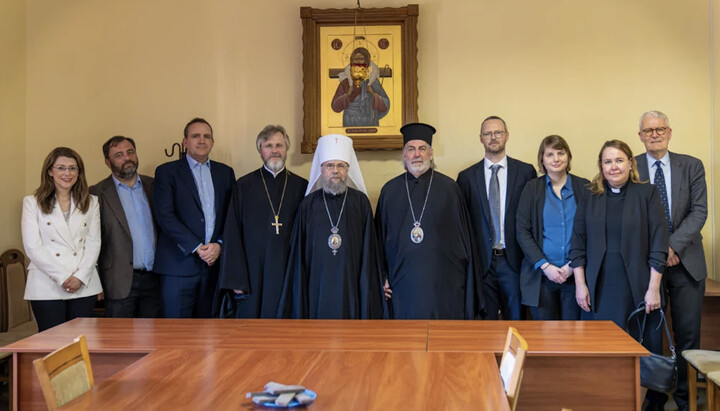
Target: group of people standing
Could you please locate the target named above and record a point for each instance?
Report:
(194, 242)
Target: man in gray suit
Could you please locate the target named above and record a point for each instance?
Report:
(680, 180)
(128, 235)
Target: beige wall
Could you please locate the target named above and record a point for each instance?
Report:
(12, 117)
(582, 69)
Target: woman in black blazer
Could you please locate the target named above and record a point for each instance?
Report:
(544, 225)
(620, 245)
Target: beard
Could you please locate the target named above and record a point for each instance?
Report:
(275, 164)
(500, 148)
(126, 171)
(332, 187)
(418, 168)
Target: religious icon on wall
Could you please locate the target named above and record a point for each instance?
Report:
(360, 75)
(362, 68)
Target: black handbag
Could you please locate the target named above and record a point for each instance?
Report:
(657, 372)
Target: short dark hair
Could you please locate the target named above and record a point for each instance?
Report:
(494, 118)
(193, 121)
(556, 142)
(115, 140)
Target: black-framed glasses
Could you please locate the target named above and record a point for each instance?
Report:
(660, 131)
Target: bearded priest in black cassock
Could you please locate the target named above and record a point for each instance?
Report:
(334, 268)
(257, 230)
(423, 228)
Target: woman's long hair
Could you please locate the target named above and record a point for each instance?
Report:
(597, 186)
(45, 194)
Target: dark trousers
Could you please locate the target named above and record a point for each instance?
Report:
(143, 301)
(557, 301)
(50, 313)
(188, 296)
(686, 296)
(502, 291)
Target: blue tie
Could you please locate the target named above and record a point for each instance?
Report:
(494, 199)
(662, 190)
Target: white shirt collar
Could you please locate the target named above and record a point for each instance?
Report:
(502, 162)
(665, 160)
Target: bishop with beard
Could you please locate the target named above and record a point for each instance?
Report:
(333, 269)
(423, 227)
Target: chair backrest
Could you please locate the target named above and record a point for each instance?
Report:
(13, 276)
(511, 364)
(65, 374)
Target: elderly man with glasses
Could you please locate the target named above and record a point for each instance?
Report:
(680, 181)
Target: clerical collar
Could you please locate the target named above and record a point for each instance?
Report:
(616, 190)
(274, 174)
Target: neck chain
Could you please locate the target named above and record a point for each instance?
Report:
(277, 224)
(417, 234)
(334, 241)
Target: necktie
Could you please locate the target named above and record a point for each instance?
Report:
(494, 198)
(662, 190)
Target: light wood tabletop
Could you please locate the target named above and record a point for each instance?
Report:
(219, 379)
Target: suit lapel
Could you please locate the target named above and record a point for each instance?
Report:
(676, 174)
(186, 177)
(642, 166)
(482, 189)
(215, 173)
(511, 177)
(112, 200)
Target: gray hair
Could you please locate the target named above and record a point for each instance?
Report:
(269, 131)
(656, 114)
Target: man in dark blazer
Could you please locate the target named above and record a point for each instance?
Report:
(191, 199)
(685, 195)
(127, 252)
(501, 179)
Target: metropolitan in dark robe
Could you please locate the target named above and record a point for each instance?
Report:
(323, 284)
(256, 251)
(334, 267)
(434, 278)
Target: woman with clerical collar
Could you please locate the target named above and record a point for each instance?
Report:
(620, 246)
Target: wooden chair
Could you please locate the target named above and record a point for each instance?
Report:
(511, 365)
(713, 390)
(700, 362)
(65, 374)
(16, 318)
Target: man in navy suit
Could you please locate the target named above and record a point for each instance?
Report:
(190, 201)
(492, 188)
(680, 180)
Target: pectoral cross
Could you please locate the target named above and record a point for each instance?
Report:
(277, 225)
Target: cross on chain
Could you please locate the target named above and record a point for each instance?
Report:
(277, 225)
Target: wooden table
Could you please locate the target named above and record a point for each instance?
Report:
(568, 364)
(589, 365)
(344, 380)
(710, 325)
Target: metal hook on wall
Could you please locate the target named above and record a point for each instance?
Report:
(181, 151)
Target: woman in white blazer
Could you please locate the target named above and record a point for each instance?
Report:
(61, 235)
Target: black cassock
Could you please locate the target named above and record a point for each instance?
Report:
(254, 257)
(320, 284)
(436, 278)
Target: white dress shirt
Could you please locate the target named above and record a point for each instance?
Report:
(502, 180)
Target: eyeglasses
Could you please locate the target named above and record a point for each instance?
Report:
(497, 134)
(71, 169)
(649, 131)
(339, 166)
